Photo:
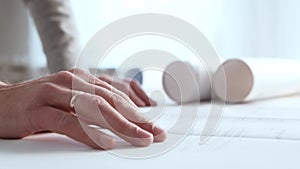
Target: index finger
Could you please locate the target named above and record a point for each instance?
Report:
(141, 93)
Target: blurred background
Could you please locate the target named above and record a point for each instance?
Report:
(236, 28)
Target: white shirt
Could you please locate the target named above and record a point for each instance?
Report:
(55, 24)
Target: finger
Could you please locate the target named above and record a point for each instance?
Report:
(95, 110)
(103, 140)
(136, 99)
(57, 96)
(103, 81)
(115, 83)
(62, 97)
(106, 78)
(158, 133)
(134, 115)
(141, 93)
(60, 94)
(126, 88)
(131, 113)
(67, 124)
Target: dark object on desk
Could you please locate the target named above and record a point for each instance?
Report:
(133, 73)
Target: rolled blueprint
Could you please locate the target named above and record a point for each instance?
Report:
(249, 79)
(184, 82)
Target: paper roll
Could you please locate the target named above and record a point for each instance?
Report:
(184, 82)
(250, 79)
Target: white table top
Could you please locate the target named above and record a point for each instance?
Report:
(255, 135)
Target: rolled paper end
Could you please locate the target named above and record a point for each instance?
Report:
(233, 81)
(180, 82)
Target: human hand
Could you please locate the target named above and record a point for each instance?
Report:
(44, 104)
(132, 88)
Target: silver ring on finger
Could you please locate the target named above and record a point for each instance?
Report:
(74, 97)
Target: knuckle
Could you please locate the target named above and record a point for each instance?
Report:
(77, 71)
(49, 87)
(124, 85)
(102, 77)
(116, 99)
(100, 101)
(125, 96)
(73, 70)
(113, 96)
(101, 83)
(66, 75)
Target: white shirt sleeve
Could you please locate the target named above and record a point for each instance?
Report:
(56, 26)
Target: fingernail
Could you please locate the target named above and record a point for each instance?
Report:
(142, 104)
(145, 139)
(153, 103)
(159, 134)
(157, 130)
(106, 142)
(144, 134)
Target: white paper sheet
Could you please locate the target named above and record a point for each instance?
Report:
(261, 134)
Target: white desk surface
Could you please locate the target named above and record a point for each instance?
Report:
(256, 135)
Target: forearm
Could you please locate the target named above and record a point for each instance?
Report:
(56, 26)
